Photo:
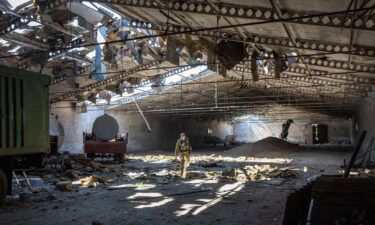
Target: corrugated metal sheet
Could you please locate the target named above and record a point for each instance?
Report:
(23, 112)
(11, 123)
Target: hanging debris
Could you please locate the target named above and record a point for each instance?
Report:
(157, 83)
(211, 60)
(194, 48)
(222, 70)
(279, 64)
(134, 80)
(92, 98)
(126, 86)
(110, 54)
(99, 68)
(291, 58)
(104, 94)
(230, 53)
(88, 14)
(116, 88)
(139, 51)
(68, 69)
(254, 66)
(173, 45)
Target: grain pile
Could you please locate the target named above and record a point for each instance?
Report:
(268, 144)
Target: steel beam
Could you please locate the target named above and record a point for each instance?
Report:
(249, 12)
(147, 93)
(231, 108)
(254, 86)
(87, 68)
(279, 42)
(16, 22)
(260, 85)
(336, 64)
(304, 44)
(326, 85)
(356, 83)
(21, 21)
(24, 42)
(104, 82)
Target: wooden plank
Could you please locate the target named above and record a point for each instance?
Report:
(355, 153)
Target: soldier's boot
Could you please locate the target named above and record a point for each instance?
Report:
(188, 160)
(184, 170)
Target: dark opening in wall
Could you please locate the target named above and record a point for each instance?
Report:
(319, 133)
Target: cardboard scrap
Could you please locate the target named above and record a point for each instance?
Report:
(92, 181)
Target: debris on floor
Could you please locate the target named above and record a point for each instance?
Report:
(81, 173)
(72, 174)
(253, 173)
(146, 180)
(64, 186)
(92, 181)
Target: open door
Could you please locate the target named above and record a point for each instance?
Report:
(320, 133)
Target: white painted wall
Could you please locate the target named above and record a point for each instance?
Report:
(166, 130)
(163, 136)
(74, 124)
(251, 131)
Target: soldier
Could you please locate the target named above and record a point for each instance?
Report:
(183, 149)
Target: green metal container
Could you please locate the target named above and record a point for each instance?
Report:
(24, 112)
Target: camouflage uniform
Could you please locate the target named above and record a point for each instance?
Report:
(183, 148)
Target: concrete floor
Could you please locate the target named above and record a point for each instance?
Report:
(165, 200)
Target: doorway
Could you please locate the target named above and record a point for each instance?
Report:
(319, 133)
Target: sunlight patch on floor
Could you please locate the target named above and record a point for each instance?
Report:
(185, 209)
(223, 192)
(152, 194)
(155, 204)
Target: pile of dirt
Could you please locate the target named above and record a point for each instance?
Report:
(268, 144)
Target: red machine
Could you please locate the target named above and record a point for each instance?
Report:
(104, 139)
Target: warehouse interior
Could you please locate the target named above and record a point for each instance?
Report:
(270, 104)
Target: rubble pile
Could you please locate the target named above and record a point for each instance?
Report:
(360, 172)
(83, 175)
(212, 167)
(65, 173)
(258, 172)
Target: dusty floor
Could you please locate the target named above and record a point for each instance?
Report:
(147, 190)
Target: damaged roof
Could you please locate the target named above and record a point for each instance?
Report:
(209, 58)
